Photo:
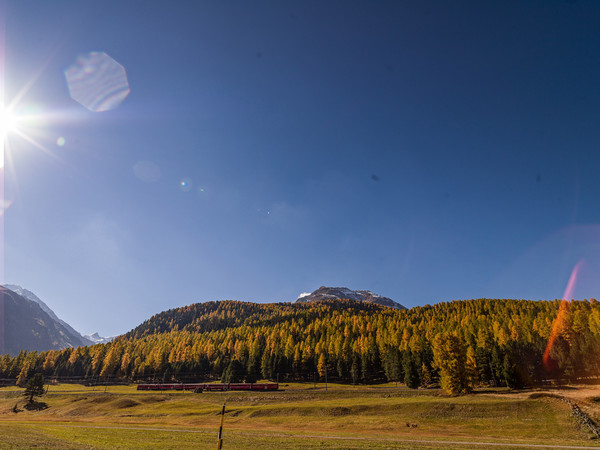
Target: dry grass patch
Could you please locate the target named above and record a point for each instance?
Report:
(382, 413)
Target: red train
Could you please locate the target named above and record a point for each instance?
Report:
(208, 387)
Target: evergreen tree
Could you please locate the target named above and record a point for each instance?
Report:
(234, 373)
(482, 362)
(354, 370)
(391, 364)
(34, 387)
(511, 376)
(496, 365)
(411, 375)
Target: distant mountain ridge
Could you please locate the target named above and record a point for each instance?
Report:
(95, 338)
(330, 293)
(25, 325)
(34, 298)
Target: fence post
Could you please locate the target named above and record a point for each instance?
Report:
(220, 441)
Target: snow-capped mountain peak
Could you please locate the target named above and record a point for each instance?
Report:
(97, 339)
(327, 293)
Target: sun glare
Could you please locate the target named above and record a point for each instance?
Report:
(8, 121)
(8, 124)
(20, 121)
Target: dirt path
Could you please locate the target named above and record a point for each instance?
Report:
(575, 392)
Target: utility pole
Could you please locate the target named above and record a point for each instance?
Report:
(220, 441)
(325, 379)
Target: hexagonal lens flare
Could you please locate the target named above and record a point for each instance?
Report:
(97, 81)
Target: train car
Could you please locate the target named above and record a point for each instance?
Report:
(240, 386)
(199, 387)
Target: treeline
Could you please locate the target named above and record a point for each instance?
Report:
(458, 344)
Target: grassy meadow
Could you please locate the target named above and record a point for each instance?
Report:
(298, 416)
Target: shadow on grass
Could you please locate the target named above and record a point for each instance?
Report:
(35, 406)
(500, 391)
(545, 395)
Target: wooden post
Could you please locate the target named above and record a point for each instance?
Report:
(220, 441)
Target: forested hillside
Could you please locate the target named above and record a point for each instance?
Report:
(458, 344)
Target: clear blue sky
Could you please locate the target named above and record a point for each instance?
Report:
(426, 151)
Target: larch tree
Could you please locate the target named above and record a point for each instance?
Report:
(449, 357)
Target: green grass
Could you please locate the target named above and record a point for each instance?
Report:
(300, 416)
(82, 437)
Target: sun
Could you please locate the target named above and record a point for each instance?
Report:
(8, 122)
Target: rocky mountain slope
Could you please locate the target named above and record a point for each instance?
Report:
(34, 298)
(329, 293)
(25, 325)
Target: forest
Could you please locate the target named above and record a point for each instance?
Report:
(457, 345)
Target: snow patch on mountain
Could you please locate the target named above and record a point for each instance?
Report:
(328, 293)
(97, 339)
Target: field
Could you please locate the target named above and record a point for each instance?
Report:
(298, 416)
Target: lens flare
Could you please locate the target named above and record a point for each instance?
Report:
(97, 81)
(559, 322)
(185, 184)
(4, 205)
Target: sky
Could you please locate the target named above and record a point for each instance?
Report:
(424, 150)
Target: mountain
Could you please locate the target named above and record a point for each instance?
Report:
(353, 340)
(230, 314)
(34, 298)
(329, 293)
(97, 339)
(25, 325)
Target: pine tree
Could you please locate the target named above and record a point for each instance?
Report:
(354, 368)
(509, 371)
(411, 375)
(234, 373)
(34, 387)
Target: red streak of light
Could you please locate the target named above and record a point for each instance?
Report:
(560, 317)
